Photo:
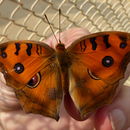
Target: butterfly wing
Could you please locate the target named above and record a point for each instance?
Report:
(98, 63)
(32, 70)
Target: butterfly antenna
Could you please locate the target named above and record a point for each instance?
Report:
(59, 25)
(50, 27)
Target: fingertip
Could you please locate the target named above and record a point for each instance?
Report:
(117, 119)
(108, 118)
(102, 120)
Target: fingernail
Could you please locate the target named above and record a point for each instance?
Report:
(118, 119)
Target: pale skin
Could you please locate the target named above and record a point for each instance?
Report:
(115, 116)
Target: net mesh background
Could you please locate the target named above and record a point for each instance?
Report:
(24, 19)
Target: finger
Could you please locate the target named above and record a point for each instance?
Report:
(8, 99)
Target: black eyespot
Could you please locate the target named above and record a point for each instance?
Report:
(34, 81)
(19, 68)
(107, 61)
(123, 44)
(4, 55)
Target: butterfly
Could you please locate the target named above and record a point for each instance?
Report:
(89, 70)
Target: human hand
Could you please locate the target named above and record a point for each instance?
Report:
(13, 118)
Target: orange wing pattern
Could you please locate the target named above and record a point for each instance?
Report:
(98, 63)
(31, 69)
(90, 70)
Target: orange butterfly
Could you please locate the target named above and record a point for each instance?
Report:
(89, 71)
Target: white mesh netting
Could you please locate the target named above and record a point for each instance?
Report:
(24, 19)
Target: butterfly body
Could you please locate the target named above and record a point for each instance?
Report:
(89, 71)
(62, 55)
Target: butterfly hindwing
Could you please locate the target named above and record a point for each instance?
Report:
(32, 70)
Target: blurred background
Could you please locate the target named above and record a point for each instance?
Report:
(24, 19)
